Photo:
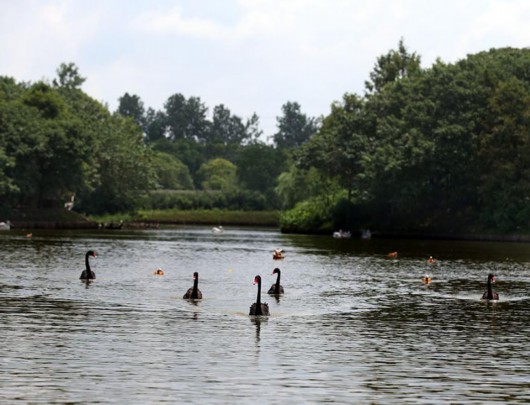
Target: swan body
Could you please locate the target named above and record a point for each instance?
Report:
(258, 308)
(276, 288)
(342, 234)
(70, 204)
(88, 274)
(489, 294)
(366, 234)
(194, 293)
(5, 226)
(218, 229)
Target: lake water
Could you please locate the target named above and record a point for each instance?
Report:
(353, 326)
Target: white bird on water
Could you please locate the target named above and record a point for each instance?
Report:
(218, 229)
(5, 226)
(70, 204)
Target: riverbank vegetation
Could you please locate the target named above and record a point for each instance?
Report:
(437, 149)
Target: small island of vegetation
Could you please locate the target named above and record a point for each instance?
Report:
(424, 151)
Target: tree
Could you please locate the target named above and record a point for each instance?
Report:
(258, 167)
(68, 77)
(185, 118)
(395, 65)
(133, 107)
(217, 174)
(294, 127)
(225, 134)
(504, 150)
(155, 126)
(338, 148)
(171, 172)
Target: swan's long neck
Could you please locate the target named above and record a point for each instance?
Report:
(490, 291)
(278, 282)
(87, 265)
(195, 286)
(258, 299)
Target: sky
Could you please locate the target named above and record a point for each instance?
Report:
(252, 56)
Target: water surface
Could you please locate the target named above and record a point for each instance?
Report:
(353, 326)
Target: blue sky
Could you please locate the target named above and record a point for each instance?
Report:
(250, 55)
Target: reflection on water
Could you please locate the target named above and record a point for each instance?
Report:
(353, 325)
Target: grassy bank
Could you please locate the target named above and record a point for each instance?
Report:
(196, 217)
(49, 218)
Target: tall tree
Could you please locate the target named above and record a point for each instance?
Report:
(133, 107)
(186, 118)
(294, 127)
(338, 148)
(68, 76)
(155, 125)
(395, 65)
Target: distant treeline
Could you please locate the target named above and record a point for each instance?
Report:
(57, 143)
(438, 149)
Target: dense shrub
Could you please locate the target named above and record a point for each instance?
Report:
(192, 200)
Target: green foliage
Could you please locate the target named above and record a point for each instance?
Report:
(171, 172)
(199, 199)
(294, 127)
(394, 66)
(258, 167)
(217, 174)
(299, 184)
(444, 149)
(209, 217)
(185, 118)
(132, 106)
(68, 77)
(57, 141)
(314, 215)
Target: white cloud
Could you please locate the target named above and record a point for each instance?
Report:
(172, 22)
(251, 55)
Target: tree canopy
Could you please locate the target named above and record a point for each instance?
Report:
(437, 149)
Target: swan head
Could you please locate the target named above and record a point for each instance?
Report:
(257, 280)
(276, 271)
(491, 277)
(195, 276)
(92, 253)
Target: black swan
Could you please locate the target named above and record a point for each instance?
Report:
(88, 274)
(193, 292)
(490, 294)
(258, 308)
(276, 288)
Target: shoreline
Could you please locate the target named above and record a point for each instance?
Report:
(63, 219)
